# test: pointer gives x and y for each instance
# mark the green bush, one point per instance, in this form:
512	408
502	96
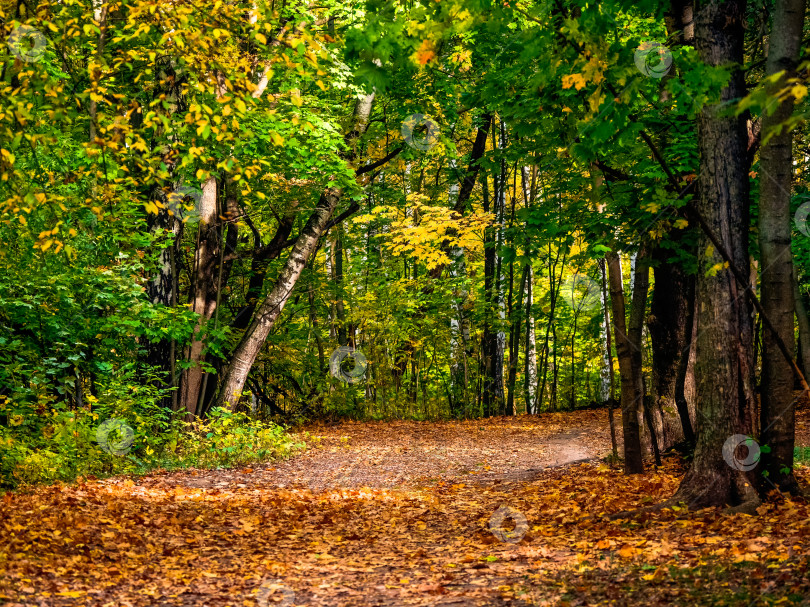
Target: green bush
49	442
228	439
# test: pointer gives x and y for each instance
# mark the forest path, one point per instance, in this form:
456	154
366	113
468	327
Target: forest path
480	513
414	454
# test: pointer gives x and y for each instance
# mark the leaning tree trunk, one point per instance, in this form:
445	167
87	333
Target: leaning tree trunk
776	163
724	368
248	349
632	393
245	354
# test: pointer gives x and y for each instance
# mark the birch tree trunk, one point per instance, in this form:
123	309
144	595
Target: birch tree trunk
256	334
531	346
530	359
245	354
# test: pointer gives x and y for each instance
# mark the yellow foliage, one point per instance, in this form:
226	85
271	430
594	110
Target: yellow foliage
425	232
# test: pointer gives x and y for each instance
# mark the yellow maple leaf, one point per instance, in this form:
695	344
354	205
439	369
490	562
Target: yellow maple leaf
575	80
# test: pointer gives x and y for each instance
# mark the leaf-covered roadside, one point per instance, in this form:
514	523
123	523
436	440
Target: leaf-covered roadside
160	541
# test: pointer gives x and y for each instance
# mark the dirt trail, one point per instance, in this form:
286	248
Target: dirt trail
417	454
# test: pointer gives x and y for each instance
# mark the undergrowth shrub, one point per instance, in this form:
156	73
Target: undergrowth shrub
47	441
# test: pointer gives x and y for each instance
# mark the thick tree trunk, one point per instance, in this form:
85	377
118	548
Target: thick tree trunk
776	164
207	280
724	369
635	333
632	399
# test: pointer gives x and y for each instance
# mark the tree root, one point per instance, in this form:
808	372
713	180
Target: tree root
646	510
747	507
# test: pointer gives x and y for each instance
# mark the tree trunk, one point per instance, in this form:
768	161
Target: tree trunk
685	378
251	344
724	369
776	164
551	331
804	323
609	357
162	290
492	389
516	314
530	358
632	394
635	334
245	354
670	344
500	213
207	280
337	277
530	371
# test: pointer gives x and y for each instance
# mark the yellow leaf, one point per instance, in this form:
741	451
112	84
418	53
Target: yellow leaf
575	80
276	138
627	551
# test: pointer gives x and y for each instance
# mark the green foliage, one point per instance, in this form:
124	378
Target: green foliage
66	445
227	439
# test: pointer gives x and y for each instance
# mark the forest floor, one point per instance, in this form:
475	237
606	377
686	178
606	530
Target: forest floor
404	513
